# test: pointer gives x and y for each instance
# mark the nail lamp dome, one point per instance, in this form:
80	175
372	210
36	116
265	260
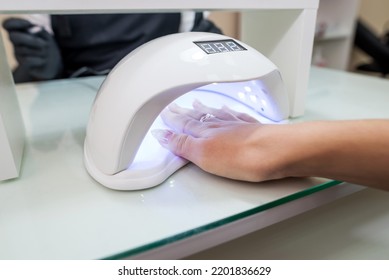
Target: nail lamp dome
206	66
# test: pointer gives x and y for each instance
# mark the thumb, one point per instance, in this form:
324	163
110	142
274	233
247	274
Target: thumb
179	144
13	24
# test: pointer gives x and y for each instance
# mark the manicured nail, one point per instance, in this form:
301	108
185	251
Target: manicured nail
162	135
173	105
197	102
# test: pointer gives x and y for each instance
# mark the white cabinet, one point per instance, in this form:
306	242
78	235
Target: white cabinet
285	36
334	33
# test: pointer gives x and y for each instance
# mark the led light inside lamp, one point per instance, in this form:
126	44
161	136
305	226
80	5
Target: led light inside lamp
119	151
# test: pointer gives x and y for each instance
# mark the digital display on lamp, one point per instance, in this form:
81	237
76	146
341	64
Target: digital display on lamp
219	46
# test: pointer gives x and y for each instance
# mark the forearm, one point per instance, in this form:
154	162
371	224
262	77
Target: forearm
352	151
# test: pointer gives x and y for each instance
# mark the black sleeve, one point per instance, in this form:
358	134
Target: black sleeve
202	24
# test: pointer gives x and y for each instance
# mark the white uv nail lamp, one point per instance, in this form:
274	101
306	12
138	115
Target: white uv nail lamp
119	151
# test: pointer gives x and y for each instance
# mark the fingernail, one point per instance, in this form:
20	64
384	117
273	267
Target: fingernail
35	29
172	105
162	135
197	102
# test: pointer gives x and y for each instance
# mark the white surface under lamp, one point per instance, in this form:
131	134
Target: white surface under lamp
121	154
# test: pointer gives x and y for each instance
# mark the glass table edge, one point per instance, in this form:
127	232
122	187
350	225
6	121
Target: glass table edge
224	221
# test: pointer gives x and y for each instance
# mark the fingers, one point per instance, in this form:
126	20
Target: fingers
183	120
225	113
34	61
186	120
16	24
241	116
222	144
31	50
182	145
195	114
218	113
199	121
25	42
25	39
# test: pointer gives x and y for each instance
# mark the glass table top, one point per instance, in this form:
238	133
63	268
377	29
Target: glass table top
224	221
56	211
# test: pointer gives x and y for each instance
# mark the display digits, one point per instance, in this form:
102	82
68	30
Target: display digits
219	46
233	46
207	48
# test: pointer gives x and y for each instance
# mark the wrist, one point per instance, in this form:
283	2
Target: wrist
300	150
278	152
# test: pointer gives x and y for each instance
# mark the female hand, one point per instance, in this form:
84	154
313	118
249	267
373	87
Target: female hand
234	145
220	141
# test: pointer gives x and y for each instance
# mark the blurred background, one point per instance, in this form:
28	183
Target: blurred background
336	28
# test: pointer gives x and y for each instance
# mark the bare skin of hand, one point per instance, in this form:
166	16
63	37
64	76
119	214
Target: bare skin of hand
236	146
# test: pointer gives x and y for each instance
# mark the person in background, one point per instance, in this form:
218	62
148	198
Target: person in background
62	46
374	46
234	145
